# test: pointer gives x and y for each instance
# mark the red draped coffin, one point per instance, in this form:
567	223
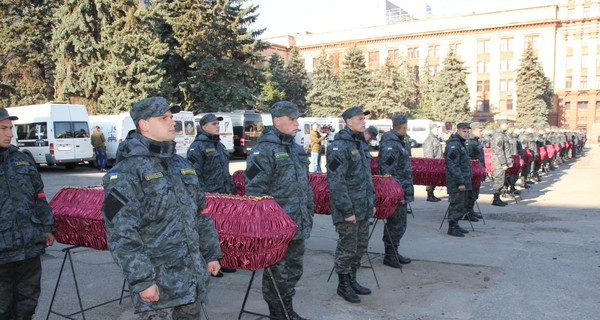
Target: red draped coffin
517	165
542	154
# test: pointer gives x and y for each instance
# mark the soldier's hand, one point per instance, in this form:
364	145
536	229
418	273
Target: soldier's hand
504	168
150	294
214	267
49	239
462	188
351	219
374	210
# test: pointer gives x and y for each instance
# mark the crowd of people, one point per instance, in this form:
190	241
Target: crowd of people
167	249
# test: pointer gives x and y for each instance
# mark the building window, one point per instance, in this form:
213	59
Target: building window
506	45
334	58
483	106
433	51
569	63
571	14
567	105
373	60
597	112
568	83
456	48
511	85
584	62
586	12
583	82
483	86
483	46
433	69
582	113
315	63
394	55
531	41
509	105
585	39
570	41
506	65
483	66
413	53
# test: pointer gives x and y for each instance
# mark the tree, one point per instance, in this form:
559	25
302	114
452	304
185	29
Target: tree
324	98
26	67
450	94
388	99
534	91
296	87
221	52
408	87
424	105
355	80
273	89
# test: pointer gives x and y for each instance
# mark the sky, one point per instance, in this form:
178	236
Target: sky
283	17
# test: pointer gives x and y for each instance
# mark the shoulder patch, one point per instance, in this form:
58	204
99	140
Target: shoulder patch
354	152
21	163
152	176
334	164
113	203
335	149
210	150
187	171
113	175
256	152
281	155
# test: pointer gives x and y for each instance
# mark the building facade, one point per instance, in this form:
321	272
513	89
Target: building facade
565	38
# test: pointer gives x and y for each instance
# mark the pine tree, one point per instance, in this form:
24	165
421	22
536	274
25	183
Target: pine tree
450	94
388	99
26	67
273	89
221	52
424	105
534	91
355	80
297	84
324	98
408	87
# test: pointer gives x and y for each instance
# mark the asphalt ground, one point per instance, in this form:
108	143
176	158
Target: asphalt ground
535	259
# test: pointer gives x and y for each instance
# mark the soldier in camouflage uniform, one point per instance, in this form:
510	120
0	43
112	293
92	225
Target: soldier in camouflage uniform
123	145
278	167
458	178
501	161
528	142
156	231
26	226
432	148
394	159
352	200
475	151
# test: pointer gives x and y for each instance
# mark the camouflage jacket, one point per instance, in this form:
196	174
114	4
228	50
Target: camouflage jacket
475	149
349	177
123	147
528	142
278	167
432	148
501	152
458	164
25	216
211	161
516	145
394	159
155	230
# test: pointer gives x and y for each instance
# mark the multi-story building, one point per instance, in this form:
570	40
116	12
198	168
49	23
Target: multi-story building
565	38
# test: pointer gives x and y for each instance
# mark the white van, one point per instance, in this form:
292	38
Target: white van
304	127
225	130
14	141
185	131
54	133
115	128
418	130
267	121
382	125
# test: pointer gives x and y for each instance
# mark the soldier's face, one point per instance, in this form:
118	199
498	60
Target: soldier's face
402	129
286	125
357	123
211	127
160	128
477	132
463	133
6	133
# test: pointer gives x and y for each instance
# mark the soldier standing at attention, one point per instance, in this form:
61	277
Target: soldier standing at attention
155	228
278	167
432	148
475	150
352	200
394	159
26	225
501	161
458	178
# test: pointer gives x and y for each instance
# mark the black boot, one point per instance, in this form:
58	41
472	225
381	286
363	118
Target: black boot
471	217
475	214
431	197
276	311
461	229
497	201
289	307
344	290
356	286
391	258
453	230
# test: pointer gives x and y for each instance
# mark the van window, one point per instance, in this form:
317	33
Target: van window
189	128
306	128
81	129
178	127
62	130
31	131
419	129
253	128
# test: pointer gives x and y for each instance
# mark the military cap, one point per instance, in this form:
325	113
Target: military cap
372	131
151	107
398	120
476	125
285	108
209	118
463	125
4	115
353	111
433	126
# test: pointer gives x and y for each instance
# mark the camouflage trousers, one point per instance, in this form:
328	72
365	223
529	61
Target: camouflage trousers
286	272
458	205
190	311
472	196
430	188
498	177
352	245
395	228
19	288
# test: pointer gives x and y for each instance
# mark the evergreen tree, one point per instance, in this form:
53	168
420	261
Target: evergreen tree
297	84
450	94
408	87
355	80
424	105
388	99
273	89
534	91
26	68
324	98
221	52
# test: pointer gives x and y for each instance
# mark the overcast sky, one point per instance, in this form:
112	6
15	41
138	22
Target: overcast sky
282	17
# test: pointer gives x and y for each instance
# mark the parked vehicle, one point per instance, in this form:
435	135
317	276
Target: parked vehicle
115	128
247	127
225	130
14	141
382	125
185	131
54	133
418	130
267	121
336	124
304	127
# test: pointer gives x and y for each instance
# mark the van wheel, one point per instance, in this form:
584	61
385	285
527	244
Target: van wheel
70	166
